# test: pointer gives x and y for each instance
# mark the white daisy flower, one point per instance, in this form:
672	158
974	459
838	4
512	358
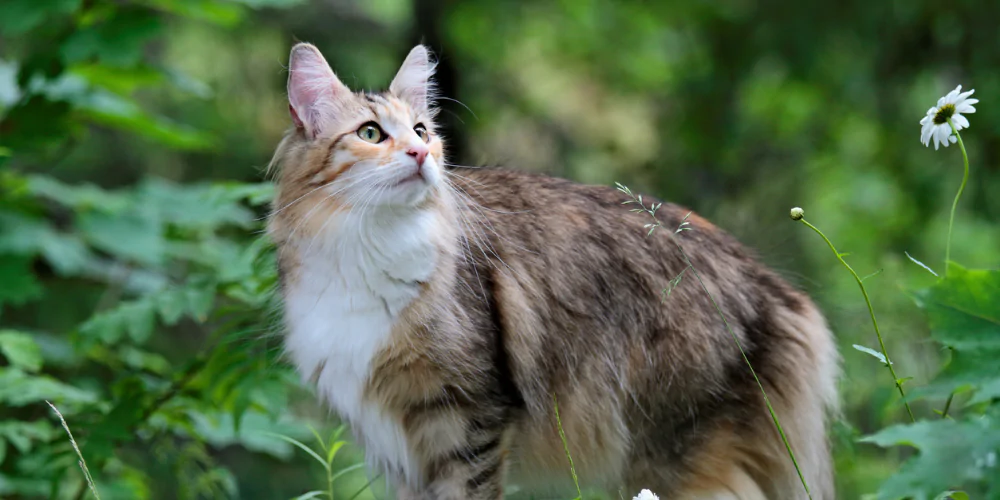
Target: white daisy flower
935	124
646	495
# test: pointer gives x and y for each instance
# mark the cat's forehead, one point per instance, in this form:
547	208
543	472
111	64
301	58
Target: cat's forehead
385	106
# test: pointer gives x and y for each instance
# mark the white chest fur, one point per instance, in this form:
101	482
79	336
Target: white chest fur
351	284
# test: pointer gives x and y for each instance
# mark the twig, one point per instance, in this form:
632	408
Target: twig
798	215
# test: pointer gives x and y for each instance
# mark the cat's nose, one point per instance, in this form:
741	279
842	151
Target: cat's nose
418	153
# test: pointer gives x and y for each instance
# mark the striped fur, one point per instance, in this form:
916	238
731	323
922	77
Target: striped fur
442	312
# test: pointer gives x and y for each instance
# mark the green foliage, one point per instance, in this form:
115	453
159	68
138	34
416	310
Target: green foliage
325	456
950	454
142	313
964	315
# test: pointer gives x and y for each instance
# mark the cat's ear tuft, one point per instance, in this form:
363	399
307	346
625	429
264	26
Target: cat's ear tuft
314	92
413	82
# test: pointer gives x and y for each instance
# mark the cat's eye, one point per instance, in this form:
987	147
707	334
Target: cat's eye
421	131
371	132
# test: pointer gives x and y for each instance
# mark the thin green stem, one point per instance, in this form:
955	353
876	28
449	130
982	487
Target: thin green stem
871	311
365	487
767	401
954	204
947	405
329	481
562	435
684	227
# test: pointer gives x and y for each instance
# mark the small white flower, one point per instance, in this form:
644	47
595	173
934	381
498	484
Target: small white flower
646	495
935	124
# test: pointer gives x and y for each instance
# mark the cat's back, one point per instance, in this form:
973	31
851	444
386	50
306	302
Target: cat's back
592	305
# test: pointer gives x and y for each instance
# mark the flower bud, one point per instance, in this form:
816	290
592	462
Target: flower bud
797	213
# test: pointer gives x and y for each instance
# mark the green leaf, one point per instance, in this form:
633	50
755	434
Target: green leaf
222	13
112	110
194	207
346	470
17	282
950	453
334	448
879	356
128	235
964	315
119	80
258	434
18	388
119	425
964	308
143	360
310	495
23	435
81	197
257	4
952	495
20	16
28	236
117	40
136	318
38	123
302	447
20	350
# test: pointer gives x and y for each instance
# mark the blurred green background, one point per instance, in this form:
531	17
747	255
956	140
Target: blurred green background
129	127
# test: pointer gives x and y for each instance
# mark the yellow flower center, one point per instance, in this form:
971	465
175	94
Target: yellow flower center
946	111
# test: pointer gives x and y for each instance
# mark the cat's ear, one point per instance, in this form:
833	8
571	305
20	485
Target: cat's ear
413	82
314	92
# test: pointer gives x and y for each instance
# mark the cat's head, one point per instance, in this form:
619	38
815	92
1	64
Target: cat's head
355	151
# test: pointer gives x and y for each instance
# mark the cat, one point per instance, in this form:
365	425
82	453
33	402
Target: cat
446	313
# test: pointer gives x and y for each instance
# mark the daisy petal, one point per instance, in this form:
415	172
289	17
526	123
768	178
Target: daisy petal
941	135
960	121
966	107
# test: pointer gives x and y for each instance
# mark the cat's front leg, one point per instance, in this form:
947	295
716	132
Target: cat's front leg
475	473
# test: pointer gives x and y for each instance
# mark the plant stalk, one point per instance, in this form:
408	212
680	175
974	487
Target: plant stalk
947	405
562	435
954	204
767	401
871	311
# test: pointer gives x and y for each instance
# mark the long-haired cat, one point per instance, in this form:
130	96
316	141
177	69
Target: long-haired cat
444	313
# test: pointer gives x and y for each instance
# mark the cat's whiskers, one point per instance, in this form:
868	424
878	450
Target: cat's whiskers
365	226
442	98
474	181
484	223
469	257
296	200
340	244
477	233
351	207
350	183
470	201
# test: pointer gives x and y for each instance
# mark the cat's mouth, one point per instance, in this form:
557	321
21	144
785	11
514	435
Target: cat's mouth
415	175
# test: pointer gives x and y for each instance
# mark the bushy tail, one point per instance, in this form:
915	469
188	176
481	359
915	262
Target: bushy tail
805	403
